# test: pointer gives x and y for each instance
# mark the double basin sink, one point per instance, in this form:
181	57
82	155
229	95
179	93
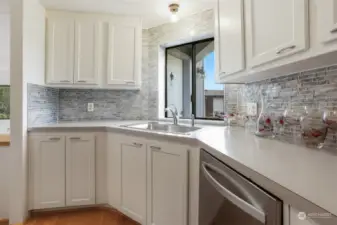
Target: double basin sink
163	127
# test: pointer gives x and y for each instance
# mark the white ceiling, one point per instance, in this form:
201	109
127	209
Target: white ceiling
153	12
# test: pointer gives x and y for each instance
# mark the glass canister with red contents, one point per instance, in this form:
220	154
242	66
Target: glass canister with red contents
264	124
313	128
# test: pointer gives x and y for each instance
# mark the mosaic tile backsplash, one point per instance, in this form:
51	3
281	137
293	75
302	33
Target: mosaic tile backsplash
43	105
315	88
109	104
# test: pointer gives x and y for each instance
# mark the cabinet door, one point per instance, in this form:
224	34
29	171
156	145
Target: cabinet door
47	172
327	20
133	180
167	184
275	29
80	170
229	37
60	50
124	55
86	51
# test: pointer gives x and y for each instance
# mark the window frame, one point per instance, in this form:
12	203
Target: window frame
193	94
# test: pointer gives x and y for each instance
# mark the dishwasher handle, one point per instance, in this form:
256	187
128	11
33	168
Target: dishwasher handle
243	205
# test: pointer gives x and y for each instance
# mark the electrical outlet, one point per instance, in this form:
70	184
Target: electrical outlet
91	107
251	109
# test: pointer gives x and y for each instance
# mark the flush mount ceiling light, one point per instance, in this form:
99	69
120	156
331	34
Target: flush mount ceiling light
174	8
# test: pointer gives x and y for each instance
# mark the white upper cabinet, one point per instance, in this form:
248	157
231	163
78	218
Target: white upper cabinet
47	172
327	20
167	184
275	29
124	55
86	51
229	37
93	50
80	172
60	50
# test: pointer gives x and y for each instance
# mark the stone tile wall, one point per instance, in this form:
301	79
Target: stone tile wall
314	88
109	104
43	105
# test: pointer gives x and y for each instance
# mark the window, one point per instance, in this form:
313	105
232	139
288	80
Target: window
190	81
4	102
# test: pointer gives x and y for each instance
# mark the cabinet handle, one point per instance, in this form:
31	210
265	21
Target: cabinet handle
81	81
75	138
138	145
130	82
54	139
333	30
64	81
286	48
155	148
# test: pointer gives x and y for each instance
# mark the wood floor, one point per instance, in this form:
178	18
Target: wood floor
82	217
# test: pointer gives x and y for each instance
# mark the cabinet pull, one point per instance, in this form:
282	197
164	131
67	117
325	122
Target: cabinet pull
130	82
155	148
75	138
138	145
54	139
81	81
64	81
333	30
286	48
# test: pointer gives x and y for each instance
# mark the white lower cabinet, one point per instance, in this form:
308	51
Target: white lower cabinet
167	184
80	170
61	170
148	180
47	172
133	182
127	176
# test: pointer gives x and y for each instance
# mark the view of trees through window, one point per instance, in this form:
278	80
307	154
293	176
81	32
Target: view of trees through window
190	81
4	102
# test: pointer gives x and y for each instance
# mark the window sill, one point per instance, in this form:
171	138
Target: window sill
197	121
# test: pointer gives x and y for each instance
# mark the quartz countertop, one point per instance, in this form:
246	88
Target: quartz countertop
291	172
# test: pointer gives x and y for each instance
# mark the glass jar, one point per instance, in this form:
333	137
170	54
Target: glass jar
264	124
313	129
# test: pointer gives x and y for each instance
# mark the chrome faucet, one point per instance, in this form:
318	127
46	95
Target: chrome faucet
192	120
174	112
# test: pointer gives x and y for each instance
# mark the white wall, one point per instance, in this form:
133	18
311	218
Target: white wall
4	181
4	124
4	43
27	65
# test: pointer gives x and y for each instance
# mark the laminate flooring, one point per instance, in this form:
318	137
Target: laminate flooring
99	216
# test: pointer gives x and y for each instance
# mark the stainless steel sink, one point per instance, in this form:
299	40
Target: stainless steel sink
163	127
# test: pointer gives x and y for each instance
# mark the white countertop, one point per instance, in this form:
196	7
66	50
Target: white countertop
311	174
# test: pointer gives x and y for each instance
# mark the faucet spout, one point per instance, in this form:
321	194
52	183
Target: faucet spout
174	113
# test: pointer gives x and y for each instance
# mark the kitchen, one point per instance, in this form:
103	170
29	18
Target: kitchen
90	84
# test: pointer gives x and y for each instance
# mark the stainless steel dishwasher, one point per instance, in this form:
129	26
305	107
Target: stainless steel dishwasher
228	198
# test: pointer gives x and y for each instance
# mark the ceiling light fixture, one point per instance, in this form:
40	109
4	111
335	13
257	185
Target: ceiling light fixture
174	8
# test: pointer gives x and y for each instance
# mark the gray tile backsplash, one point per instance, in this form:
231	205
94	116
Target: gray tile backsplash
314	88
109	104
43	105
